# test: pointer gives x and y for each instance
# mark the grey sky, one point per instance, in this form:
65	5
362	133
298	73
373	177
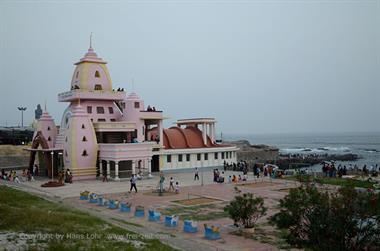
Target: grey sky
257	66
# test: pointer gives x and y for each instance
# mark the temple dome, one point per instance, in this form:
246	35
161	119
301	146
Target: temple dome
91	74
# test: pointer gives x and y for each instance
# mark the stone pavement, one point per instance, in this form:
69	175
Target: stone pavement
270	190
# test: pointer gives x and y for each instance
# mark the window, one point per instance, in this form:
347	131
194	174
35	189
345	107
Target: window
100	110
101	120
206	156
179	157
97	74
113	120
215	155
168	158
84	153
66	139
48	128
84	138
137	104
98	88
83	126
89	109
76	76
187	157
66	153
222	155
198	156
110	110
49	139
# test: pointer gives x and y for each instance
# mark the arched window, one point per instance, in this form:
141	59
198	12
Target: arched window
83	126
48	128
66	153
76	76
97	74
84	138
66	139
98	88
49	139
84	153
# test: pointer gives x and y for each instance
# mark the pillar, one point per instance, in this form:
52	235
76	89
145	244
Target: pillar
204	133
100	168
149	168
133	167
213	132
161	132
108	169
117	170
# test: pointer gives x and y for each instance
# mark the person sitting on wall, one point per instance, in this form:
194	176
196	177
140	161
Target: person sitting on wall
68	176
149	109
153	109
3	174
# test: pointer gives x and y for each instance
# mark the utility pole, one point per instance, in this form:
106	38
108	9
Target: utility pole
22	109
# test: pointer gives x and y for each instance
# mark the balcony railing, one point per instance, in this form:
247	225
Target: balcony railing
84	94
126	151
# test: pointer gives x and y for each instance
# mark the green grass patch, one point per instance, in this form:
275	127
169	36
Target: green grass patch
23	213
198	213
333	181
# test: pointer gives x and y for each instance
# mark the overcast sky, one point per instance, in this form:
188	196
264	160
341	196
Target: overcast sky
256	66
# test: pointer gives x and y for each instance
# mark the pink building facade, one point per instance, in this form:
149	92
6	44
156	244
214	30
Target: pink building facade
105	132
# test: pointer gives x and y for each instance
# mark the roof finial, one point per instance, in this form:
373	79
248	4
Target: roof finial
91	40
45	105
133	84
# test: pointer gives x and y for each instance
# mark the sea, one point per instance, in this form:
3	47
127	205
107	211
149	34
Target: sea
365	145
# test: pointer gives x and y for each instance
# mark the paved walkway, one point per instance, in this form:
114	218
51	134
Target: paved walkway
270	190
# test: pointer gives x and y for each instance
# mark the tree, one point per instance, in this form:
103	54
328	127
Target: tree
246	209
342	220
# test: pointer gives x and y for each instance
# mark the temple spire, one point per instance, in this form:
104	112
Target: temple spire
91	40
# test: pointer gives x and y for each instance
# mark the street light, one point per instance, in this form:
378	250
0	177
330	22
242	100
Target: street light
52	166
22	109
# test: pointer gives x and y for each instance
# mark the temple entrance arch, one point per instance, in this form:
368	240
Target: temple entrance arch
39	140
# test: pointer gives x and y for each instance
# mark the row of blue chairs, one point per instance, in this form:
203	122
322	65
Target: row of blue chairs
189	226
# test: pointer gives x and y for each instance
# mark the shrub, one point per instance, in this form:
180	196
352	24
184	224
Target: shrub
344	220
246	209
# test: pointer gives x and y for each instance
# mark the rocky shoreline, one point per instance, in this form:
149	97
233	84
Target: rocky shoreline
271	154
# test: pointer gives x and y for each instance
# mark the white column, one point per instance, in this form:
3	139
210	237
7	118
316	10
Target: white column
213	132
108	169
117	170
100	168
204	133
150	168
133	167
161	132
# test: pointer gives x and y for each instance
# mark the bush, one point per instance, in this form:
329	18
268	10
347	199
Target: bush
246	209
344	220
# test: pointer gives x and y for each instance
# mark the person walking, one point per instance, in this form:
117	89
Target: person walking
196	175
171	184
133	183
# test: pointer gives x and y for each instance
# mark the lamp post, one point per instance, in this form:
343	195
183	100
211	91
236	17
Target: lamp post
22	109
52	166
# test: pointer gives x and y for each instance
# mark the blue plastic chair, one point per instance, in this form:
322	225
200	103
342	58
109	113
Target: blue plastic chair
210	234
154	216
113	204
171	221
93	198
139	213
125	207
190	226
83	197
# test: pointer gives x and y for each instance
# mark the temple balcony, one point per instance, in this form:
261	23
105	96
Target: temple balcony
114	126
156	115
126	151
93	95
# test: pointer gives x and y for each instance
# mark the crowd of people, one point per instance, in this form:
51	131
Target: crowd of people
26	175
330	170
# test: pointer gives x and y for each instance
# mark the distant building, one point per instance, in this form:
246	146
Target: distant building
103	131
15	135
